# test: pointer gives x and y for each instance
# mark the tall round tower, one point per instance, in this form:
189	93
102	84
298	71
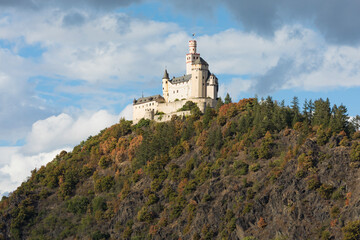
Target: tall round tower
165	85
191	56
192	46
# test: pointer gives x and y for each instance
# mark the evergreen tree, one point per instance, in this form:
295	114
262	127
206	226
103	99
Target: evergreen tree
339	119
322	112
227	99
295	110
219	104
356	122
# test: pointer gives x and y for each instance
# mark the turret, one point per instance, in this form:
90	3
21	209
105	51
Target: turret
192	56
165	86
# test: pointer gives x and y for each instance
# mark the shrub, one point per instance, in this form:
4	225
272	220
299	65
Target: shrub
355	152
104	184
152	199
325	191
144	215
104	162
97	235
352	230
254	167
77	205
98	203
241	167
313	183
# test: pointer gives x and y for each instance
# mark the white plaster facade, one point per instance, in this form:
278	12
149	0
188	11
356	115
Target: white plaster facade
197	85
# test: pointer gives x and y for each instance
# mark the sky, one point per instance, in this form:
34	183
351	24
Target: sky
69	69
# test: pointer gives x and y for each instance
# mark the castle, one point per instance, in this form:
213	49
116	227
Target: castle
198	85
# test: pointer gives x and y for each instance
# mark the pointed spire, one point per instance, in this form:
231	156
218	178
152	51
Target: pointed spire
166	75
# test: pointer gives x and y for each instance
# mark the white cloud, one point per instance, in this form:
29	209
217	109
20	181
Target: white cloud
48	138
64	130
127	113
19	166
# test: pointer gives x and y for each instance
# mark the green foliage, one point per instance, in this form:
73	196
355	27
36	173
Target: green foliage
105	162
97	235
254	167
188	106
104	184
355	152
142	123
325	191
241	168
98	204
77	204
228	99
313	183
144	215
351	230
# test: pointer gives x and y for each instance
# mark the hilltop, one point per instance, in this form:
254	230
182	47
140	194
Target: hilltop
247	170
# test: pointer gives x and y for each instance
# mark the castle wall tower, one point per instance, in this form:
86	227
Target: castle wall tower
199	72
191	56
165	86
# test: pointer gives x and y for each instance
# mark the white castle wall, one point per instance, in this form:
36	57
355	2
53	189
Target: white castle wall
143	109
178	91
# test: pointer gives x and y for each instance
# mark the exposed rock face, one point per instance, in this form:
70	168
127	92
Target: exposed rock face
164	181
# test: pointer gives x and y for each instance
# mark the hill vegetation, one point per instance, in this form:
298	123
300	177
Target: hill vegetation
255	169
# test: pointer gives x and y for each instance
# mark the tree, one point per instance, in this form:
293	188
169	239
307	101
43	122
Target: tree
356	122
228	99
295	110
339	119
321	112
219	104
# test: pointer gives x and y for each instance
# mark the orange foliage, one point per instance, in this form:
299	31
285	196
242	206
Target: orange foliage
108	145
333	223
229	110
202	139
153	229
134	144
348	197
261	223
182	185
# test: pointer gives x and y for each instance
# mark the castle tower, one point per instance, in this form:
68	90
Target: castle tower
165	86
191	56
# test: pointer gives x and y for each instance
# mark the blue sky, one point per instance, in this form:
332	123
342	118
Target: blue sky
69	69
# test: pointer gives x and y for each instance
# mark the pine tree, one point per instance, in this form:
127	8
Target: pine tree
228	99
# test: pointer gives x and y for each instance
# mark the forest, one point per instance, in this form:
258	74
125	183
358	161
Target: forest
253	169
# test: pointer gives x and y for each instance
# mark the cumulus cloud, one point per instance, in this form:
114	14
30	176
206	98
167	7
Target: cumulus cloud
296	57
48	138
103	52
18	166
336	20
64	130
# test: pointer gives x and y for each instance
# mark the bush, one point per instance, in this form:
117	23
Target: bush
104	162
104	184
325	191
98	203
254	167
100	236
77	205
241	168
144	215
352	230
355	152
313	183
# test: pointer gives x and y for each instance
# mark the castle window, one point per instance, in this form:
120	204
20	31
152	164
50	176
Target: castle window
177	91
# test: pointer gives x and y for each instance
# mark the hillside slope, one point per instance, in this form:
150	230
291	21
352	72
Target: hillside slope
249	170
